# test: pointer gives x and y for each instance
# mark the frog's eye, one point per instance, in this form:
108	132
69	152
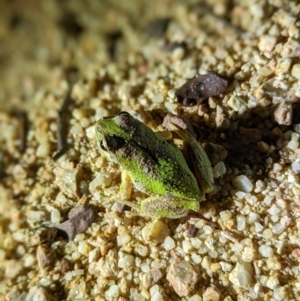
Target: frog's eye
101	144
125	121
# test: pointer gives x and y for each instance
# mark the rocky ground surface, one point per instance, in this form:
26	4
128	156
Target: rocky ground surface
66	64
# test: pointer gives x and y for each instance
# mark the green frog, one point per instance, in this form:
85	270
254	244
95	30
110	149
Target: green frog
156	166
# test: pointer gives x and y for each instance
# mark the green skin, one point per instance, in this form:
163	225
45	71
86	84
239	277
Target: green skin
155	166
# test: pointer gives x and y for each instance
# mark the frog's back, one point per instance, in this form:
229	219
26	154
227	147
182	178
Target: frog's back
157	166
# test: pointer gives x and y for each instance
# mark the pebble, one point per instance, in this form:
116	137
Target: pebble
169	243
44	256
296	167
182	277
272	282
291	49
219	170
243	183
265	251
126	261
157	293
151	277
249	253
241	222
296	71
283	113
112	293
13	268
241	275
211	294
155	231
38	294
267	43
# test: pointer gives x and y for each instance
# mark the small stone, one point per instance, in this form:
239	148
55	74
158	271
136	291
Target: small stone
80	218
241	275
219	170
151	277
45	256
241	222
243	183
249	253
291	49
296	71
277	228
13	268
283	113
272	282
38	294
67	177
141	250
265	251
126	261
251	135
155	231
211	294
157	293
112	293
182	277
236	103
267	43
169	243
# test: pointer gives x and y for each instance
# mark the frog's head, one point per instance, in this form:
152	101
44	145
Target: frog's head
113	133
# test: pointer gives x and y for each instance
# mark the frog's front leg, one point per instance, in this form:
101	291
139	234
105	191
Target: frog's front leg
126	186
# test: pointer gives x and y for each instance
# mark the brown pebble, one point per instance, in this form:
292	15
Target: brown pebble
45	256
151	277
200	88
182	277
80	218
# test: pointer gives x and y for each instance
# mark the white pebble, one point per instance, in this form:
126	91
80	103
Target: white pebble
126	261
123	239
43	150
219	170
99	180
225	215
274	210
265	251
158	98
293	144
55	216
267	234
296	167
272	282
112	292
196	258
156	293
240	194
187	246
243	183
252	217
258	227
241	275
241	222
169	243
277	228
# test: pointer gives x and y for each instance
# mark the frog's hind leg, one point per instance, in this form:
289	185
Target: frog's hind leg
158	206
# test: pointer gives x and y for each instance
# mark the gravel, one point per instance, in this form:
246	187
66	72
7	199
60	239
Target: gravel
250	132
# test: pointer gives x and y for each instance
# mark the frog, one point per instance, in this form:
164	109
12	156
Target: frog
155	166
